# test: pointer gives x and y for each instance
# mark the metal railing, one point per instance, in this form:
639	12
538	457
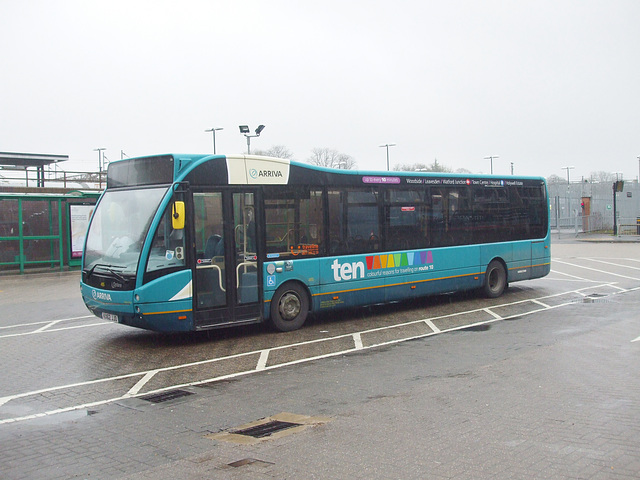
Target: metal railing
12	177
596	224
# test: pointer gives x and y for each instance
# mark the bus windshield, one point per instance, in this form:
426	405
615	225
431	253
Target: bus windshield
118	230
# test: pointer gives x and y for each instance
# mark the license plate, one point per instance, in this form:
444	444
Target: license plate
110	316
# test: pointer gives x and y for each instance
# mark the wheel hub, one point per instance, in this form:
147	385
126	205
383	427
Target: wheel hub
289	306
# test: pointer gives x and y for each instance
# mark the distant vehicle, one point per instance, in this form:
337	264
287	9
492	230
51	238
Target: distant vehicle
191	242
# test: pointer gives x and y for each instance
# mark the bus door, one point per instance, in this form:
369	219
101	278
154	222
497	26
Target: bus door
227	280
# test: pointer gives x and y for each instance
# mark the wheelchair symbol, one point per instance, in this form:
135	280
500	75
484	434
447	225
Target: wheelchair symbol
271	281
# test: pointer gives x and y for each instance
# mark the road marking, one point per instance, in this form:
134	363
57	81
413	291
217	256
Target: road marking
263	355
611	263
46	321
541	303
432	325
141	383
262	361
582	279
50	324
54	330
492	313
596	270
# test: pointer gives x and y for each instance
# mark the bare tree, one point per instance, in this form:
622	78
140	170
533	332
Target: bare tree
555	179
602	176
278	151
329	157
421	167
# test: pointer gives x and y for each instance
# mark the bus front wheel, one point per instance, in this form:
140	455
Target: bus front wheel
289	307
495	280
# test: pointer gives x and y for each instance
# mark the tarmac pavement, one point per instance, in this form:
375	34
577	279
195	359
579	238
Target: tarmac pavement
554	394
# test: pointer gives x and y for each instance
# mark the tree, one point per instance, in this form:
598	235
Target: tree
421	167
331	158
278	151
602	176
554	179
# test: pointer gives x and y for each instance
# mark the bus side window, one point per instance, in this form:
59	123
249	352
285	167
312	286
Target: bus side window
294	222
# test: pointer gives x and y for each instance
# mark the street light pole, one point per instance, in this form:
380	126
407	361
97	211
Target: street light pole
567	169
491	157
213	131
387	145
99	150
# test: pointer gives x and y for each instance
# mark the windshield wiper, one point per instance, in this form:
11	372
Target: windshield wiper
117	275
109	268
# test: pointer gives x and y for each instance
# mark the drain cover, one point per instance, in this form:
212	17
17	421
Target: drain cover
275	426
266	429
166	396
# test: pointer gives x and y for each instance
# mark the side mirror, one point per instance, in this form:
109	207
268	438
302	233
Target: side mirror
177	215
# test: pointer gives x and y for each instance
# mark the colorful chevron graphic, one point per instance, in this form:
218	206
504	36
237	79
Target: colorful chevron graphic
406	259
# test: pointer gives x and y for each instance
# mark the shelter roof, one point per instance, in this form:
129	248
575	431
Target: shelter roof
26	160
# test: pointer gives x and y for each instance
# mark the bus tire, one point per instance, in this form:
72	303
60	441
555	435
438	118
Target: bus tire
289	307
495	279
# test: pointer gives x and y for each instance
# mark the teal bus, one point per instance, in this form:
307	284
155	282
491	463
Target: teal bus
192	242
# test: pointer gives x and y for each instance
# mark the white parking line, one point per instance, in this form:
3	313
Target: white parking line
42	330
20	325
596	270
612	263
263	356
582	279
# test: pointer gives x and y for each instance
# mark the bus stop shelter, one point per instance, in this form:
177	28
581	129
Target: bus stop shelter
24	161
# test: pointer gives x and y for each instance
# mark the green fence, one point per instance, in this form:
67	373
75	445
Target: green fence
43	230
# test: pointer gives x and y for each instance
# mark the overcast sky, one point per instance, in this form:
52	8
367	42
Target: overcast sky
542	84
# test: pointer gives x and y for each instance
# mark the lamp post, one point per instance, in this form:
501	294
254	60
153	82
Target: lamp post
638	157
244	130
387	145
99	150
213	130
567	169
491	157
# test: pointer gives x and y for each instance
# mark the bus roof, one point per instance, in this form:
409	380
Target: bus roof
202	169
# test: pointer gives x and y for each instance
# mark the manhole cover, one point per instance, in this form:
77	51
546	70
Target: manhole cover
266	429
166	396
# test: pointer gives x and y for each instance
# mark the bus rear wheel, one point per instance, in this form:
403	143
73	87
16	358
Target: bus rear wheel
495	279
289	307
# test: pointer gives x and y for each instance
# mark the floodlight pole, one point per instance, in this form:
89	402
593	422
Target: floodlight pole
213	131
387	145
244	130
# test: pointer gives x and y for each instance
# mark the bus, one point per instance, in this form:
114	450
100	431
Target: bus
192	242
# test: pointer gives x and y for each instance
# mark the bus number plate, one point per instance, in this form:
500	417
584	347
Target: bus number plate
110	316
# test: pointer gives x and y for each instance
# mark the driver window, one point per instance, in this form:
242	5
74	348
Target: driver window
167	251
